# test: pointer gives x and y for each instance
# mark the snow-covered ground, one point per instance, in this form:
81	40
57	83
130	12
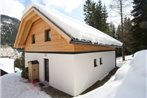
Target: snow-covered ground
128	82
127	60
11	86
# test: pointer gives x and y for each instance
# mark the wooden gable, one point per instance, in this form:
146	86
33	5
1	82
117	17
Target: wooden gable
34	23
26	24
57	42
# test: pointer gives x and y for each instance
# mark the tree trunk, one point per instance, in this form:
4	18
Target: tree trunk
122	30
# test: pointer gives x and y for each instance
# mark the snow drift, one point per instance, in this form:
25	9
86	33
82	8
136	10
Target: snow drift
128	82
11	86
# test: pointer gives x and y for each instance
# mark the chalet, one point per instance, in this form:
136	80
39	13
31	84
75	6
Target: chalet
71	55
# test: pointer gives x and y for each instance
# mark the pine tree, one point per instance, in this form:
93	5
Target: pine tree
128	38
89	8
127	35
120	5
104	20
139	29
118	32
96	15
112	31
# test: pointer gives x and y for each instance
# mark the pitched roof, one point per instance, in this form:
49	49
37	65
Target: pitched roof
76	30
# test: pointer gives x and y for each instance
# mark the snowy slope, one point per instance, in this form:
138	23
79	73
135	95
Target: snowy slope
128	82
76	30
11	86
127	60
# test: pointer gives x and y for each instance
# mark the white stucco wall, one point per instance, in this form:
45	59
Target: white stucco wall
73	73
85	72
60	69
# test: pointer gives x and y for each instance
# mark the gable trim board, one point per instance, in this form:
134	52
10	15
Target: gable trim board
71	59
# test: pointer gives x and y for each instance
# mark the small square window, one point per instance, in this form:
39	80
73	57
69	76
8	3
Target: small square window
33	38
47	35
95	63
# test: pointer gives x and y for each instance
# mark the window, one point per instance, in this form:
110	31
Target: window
95	63
47	35
101	61
33	38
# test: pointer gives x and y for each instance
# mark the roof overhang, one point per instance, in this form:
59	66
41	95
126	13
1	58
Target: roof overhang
26	23
73	41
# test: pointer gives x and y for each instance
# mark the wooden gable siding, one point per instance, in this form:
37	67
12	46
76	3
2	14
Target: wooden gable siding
57	43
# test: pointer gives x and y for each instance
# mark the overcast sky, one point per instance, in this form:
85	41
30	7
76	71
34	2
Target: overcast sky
73	8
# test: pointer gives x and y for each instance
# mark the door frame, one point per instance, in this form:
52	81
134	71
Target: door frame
46	69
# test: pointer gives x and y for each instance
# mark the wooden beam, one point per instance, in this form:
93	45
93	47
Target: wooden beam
19	33
28	27
26	31
28	14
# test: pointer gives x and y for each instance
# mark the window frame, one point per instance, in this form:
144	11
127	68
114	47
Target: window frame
95	63
47	35
100	61
33	39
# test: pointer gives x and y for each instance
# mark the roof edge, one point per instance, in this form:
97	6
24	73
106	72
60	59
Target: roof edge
90	43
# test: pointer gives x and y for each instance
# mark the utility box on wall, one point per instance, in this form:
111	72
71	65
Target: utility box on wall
33	70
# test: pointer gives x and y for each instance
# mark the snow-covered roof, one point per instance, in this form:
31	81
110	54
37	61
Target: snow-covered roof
7	65
76	30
